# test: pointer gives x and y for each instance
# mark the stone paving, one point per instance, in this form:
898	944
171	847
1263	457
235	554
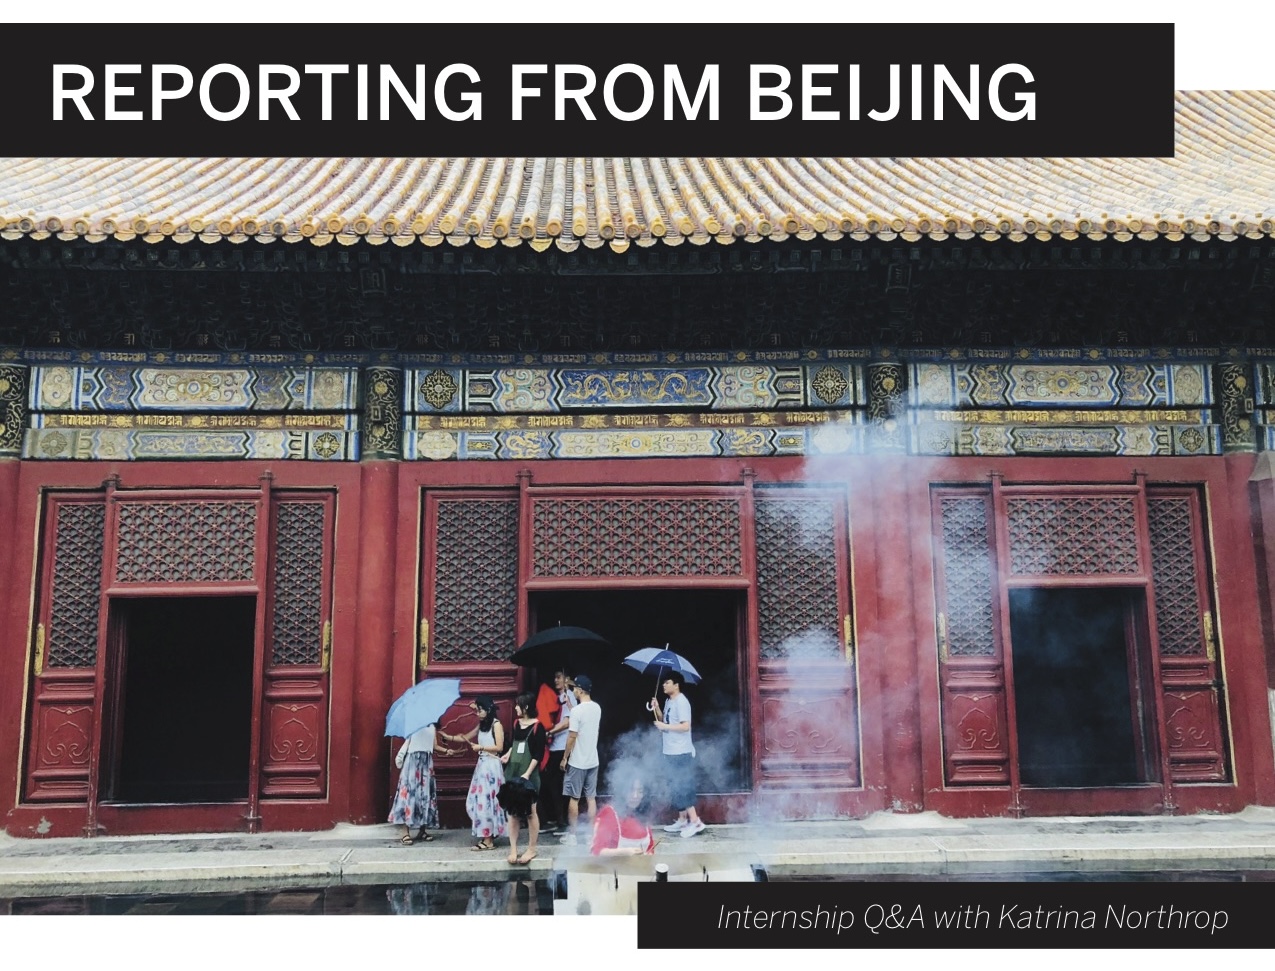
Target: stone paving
922	843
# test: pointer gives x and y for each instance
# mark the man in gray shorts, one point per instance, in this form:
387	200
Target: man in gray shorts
580	760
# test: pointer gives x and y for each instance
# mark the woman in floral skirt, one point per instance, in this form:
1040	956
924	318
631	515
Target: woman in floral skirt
487	738
416	798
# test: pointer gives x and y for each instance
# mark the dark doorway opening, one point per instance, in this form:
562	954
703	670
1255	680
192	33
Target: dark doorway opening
1078	688
183	719
701	625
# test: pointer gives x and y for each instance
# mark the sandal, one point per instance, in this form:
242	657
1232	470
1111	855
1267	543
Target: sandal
526	857
483	845
407	840
424	837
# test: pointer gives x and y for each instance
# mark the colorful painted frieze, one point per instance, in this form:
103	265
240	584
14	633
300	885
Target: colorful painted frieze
125	388
955	438
1053	385
660	439
541	390
139	444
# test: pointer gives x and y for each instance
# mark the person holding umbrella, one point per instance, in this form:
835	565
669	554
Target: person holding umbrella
416	798
674	722
487	739
414	718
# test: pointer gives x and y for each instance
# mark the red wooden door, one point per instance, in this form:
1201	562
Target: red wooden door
1188	643
111	563
1148	543
807	706
469	616
295	704
163	546
976	731
68	638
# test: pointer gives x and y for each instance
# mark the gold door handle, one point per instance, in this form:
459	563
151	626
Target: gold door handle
942	635
39	649
1210	636
847	633
325	660
422	644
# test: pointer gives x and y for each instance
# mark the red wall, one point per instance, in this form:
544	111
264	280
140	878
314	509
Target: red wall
376	591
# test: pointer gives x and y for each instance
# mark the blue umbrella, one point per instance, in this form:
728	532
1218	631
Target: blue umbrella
422	704
659	660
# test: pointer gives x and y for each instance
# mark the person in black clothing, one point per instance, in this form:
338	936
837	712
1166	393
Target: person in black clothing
522	777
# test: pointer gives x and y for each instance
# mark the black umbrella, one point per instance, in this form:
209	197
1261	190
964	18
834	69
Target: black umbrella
557	644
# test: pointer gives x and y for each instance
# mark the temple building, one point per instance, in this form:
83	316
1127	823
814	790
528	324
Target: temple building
953	477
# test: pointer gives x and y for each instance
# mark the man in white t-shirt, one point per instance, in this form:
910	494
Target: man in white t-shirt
580	758
679	756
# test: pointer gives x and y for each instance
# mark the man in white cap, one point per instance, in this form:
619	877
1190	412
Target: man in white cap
580	760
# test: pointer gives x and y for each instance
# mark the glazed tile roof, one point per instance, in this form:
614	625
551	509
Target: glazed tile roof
1221	182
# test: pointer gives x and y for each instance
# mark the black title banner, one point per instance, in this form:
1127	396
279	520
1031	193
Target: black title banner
954	915
959	90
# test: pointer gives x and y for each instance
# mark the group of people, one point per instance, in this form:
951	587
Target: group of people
549	764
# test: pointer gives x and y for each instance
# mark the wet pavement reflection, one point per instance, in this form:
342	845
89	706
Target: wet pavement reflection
517	897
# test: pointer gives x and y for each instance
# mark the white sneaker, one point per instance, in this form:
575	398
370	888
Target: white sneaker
693	828
568	840
676	826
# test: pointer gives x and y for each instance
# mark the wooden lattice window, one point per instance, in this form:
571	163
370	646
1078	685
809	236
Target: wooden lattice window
475	578
1073	535
1175	572
76	592
637	536
967	576
798	603
192	541
297	624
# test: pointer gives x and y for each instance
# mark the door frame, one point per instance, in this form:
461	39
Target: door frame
1224	505
113	711
1143	679
105	816
55	802
744	649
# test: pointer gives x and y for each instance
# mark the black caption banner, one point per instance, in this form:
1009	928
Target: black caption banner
955	90
954	915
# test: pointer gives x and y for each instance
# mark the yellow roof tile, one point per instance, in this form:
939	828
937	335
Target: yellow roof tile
1220	182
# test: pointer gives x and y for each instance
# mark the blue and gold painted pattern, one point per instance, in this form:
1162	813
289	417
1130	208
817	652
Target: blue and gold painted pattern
952	438
1070	385
1264	386
137	444
123	412
186	422
121	388
519	407
636	388
642	441
545	390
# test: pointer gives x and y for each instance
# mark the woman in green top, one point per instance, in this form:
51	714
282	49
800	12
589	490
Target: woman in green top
522	777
